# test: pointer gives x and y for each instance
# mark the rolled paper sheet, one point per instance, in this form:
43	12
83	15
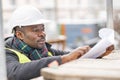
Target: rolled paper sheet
98	49
107	39
107	33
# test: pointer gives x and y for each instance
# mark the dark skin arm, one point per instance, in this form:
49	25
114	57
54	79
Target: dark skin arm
75	54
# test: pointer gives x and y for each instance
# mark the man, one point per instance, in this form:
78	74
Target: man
27	52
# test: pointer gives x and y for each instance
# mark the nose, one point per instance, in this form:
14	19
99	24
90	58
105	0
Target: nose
42	33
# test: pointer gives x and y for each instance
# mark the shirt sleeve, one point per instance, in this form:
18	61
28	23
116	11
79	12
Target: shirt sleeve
26	71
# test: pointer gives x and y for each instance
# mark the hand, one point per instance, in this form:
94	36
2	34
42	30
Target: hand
108	51
75	54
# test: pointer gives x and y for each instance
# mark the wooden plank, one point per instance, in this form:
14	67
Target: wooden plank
88	69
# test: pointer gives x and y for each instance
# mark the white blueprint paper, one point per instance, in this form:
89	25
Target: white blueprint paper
107	39
98	49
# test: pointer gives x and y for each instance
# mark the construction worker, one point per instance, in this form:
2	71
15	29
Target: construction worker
27	52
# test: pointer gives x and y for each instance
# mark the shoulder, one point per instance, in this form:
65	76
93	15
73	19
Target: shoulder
8	41
11	55
48	45
7	38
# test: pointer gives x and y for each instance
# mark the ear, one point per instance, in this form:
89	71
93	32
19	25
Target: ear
19	35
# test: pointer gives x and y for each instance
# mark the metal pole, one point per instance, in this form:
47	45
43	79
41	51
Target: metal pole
110	14
2	52
110	20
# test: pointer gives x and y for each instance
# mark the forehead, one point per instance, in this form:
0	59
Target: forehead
34	26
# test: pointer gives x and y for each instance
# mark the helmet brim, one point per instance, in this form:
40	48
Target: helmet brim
41	21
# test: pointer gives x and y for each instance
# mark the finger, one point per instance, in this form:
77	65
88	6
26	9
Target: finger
85	49
88	48
110	48
82	51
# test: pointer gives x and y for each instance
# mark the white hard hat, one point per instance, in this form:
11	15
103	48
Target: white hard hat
26	15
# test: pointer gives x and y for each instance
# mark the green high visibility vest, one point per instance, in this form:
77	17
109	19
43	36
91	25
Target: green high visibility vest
22	58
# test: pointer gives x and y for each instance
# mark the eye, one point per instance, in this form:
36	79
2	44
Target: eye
42	29
36	30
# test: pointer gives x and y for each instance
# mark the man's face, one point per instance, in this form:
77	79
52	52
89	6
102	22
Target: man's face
34	35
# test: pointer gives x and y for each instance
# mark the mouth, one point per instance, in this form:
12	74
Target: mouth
41	41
